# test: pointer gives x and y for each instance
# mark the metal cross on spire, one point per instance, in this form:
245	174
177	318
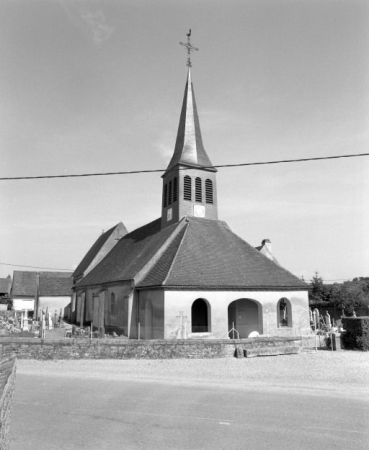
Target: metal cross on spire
190	48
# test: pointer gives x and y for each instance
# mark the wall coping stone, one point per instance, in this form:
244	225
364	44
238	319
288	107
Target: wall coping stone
123	342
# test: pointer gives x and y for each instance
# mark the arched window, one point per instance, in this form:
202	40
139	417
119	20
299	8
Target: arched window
170	193
198	190
112	304
165	196
187	188
209	191
175	189
200	315
284	313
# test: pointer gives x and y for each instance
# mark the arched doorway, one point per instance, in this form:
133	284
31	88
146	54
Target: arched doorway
148	320
246	315
200	315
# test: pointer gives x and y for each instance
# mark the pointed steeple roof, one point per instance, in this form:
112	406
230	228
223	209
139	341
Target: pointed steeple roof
189	149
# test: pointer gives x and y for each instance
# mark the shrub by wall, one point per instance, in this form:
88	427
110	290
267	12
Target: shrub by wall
357	332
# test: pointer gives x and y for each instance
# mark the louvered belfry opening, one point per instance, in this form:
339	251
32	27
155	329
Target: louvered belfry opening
170	193
209	191
165	196
175	189
187	187
198	190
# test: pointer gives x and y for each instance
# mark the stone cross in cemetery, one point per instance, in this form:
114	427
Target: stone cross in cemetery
182	326
25	321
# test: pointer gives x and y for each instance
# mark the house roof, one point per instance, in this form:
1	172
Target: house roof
55	286
95	249
210	255
25	282
130	255
4	285
189	148
201	253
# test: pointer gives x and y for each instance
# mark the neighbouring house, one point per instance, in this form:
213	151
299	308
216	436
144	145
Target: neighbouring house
33	291
5	284
186	274
55	292
24	290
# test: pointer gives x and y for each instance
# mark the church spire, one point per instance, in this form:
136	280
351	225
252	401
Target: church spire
189	184
189	148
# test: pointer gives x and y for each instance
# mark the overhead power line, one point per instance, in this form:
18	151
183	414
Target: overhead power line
33	267
131	172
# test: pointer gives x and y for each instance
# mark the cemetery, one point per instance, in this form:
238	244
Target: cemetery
52	338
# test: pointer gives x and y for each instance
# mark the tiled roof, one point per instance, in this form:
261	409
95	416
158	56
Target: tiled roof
130	254
24	283
189	148
212	256
204	254
51	286
94	250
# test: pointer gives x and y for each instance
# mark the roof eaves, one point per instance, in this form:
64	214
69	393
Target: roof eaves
104	284
226	288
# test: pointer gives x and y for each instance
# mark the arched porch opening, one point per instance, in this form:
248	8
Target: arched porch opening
200	316
245	315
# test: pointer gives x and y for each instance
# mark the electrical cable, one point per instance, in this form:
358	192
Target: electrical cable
33	267
131	172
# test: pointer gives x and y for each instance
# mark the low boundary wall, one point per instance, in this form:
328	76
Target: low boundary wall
41	349
7	386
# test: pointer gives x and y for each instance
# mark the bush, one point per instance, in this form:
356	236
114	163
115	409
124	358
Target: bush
357	332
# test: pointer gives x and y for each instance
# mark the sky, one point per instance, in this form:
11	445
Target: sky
97	86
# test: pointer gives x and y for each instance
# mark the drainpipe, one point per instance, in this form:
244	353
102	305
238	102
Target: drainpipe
35	312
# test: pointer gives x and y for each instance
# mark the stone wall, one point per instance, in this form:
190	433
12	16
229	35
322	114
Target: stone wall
32	348
7	385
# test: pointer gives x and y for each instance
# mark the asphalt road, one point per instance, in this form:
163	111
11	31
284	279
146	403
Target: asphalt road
64	412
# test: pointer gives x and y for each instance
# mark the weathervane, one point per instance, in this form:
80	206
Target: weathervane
190	48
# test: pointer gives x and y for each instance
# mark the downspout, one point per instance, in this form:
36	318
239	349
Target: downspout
138	316
37	296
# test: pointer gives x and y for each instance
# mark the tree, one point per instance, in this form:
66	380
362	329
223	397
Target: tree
318	291
351	295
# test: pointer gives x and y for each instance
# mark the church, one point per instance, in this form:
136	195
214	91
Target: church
186	274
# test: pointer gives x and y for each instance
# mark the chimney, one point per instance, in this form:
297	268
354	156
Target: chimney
267	244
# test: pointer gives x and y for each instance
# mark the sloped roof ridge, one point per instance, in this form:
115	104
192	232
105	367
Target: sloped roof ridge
93	251
148	230
178	250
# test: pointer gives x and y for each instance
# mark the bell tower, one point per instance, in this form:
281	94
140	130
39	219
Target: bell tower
189	184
